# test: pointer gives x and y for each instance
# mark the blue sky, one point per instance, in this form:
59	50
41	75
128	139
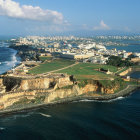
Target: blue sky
41	17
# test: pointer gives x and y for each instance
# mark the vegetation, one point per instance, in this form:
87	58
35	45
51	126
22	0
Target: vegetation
82	83
50	66
88	71
132	83
110	84
22	101
57	98
38	99
118	62
44	58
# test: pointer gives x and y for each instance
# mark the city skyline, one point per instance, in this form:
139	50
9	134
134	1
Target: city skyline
86	17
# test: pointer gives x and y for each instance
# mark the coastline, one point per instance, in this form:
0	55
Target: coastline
15	62
123	93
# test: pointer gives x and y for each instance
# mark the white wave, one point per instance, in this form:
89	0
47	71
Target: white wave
86	100
45	115
14	117
116	99
111	100
2	128
13	61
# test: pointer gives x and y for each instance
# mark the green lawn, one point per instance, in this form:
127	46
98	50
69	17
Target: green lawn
50	66
44	58
88	71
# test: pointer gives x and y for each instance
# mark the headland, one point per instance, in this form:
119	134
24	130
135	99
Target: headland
45	80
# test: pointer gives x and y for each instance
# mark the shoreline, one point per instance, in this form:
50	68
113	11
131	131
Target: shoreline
18	61
123	93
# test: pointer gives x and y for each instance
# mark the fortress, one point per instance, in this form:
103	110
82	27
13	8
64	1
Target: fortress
13	88
45	89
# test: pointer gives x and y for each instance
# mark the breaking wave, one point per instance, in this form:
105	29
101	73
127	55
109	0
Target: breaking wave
14	117
112	100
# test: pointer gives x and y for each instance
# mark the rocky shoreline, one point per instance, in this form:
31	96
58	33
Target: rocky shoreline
123	93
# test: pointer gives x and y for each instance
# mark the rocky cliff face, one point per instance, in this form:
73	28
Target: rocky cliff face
2	87
52	88
25	84
63	93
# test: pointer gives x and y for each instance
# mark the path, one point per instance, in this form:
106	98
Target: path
61	68
120	70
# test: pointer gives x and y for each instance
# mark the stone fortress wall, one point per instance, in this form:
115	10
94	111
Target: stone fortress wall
18	87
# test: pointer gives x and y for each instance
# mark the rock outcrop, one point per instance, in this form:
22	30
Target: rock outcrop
25	84
51	88
2	87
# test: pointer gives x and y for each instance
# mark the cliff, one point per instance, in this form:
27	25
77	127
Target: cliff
13	83
2	87
47	89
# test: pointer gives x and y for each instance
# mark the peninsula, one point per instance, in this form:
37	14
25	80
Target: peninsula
48	75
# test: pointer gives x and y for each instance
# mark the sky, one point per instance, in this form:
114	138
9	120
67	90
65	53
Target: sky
54	17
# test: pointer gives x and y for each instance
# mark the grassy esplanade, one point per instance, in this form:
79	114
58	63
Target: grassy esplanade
51	65
89	71
80	70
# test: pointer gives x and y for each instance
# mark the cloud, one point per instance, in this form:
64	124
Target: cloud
13	9
102	26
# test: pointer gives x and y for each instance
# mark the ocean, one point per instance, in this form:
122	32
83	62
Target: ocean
8	57
84	120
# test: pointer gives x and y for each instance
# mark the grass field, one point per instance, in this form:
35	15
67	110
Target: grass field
88	71
50	66
44	58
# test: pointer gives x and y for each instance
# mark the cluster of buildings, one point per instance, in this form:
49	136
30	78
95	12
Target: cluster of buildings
81	49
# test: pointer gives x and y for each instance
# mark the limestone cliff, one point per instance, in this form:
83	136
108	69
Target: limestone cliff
24	83
2	87
63	93
49	88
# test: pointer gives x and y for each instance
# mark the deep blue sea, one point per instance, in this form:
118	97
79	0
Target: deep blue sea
85	120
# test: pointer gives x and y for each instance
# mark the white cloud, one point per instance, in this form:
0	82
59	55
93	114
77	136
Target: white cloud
102	26
13	9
